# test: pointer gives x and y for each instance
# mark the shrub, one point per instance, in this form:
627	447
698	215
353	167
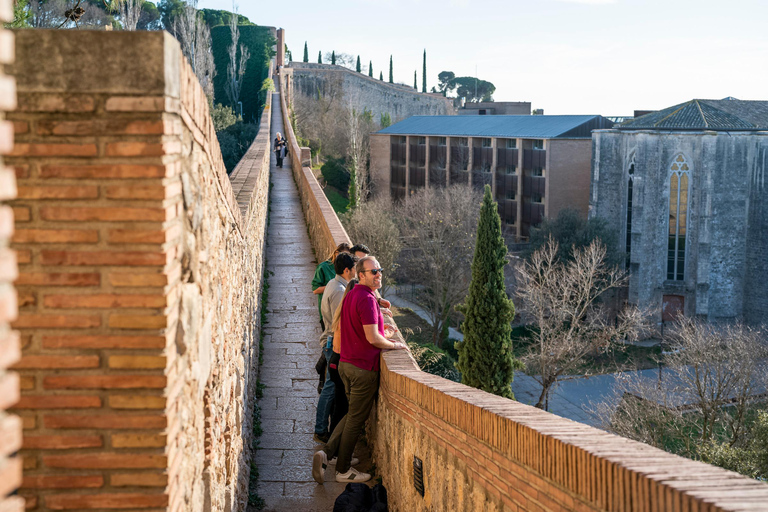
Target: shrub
223	117
435	361
335	174
234	142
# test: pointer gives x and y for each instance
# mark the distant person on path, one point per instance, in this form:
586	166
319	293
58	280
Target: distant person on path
362	339
344	264
278	149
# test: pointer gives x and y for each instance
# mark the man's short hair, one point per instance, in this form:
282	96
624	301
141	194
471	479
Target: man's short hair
361	263
360	248
343	262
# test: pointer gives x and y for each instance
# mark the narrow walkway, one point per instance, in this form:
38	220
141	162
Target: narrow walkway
291	349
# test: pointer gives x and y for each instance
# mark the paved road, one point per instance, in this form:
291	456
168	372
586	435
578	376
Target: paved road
291	348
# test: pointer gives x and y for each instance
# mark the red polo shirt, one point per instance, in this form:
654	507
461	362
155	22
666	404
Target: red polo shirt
360	308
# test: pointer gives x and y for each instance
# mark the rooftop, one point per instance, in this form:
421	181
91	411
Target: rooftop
530	127
728	114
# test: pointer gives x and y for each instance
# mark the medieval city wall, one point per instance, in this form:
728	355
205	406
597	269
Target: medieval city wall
140	278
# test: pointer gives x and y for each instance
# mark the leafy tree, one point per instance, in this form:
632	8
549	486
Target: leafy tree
21	15
474	89
335	173
223	117
486	360
333	57
319	57
216	18
150	17
571	232
306	53
370	68
385	119
170	10
391	80
381	76
358	68
445	81
424	73
415	83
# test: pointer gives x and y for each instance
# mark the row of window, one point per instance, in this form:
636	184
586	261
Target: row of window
464	142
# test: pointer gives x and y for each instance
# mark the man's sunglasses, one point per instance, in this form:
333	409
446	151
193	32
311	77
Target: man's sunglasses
374	271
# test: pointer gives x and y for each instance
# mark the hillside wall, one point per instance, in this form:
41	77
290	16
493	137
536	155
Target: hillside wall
363	92
140	278
10	351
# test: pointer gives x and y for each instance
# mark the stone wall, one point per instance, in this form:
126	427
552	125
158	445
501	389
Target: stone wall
482	452
10	425
363	92
140	275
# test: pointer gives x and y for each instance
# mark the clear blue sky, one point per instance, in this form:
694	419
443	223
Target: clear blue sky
604	57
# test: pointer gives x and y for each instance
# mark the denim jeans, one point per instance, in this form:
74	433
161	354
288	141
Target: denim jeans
325	402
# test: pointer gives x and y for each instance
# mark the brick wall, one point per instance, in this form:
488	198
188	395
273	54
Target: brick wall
483	452
140	273
10	425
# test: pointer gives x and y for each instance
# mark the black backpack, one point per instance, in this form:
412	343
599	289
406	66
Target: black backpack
361	498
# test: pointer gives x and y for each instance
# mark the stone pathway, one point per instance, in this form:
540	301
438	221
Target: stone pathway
291	349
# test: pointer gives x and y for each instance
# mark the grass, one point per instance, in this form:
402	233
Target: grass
338	201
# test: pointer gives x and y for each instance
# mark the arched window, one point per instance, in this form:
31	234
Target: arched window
679	174
630	182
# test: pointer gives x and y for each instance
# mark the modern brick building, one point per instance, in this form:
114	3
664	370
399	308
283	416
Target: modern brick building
685	187
536	165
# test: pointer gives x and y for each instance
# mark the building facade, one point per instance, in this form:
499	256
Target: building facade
685	187
535	165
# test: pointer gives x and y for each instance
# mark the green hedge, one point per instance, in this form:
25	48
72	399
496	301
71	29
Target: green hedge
335	174
259	41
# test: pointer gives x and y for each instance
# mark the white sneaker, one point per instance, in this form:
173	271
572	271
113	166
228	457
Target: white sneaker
319	463
354	462
352	476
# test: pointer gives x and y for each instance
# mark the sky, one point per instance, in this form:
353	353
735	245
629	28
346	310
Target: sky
607	57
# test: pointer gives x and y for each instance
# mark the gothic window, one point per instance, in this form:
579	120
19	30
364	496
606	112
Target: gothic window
630	183
679	176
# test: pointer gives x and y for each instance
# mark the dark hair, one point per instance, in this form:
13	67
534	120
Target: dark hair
360	248
342	247
344	261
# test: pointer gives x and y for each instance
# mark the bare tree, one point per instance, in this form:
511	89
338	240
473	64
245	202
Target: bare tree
562	300
439	227
194	36
46	14
713	376
236	69
373	224
130	12
342	59
358	128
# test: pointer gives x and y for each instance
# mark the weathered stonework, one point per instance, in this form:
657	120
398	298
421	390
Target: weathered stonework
141	265
361	92
10	350
726	275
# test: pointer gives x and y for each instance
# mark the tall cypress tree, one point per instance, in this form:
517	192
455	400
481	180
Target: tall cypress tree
424	73
306	52
333	57
319	57
381	76
358	68
390	70
370	68
486	360
415	83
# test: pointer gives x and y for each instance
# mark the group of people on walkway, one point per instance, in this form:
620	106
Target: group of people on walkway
352	318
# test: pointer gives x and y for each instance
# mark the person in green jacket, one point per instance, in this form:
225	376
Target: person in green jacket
324	272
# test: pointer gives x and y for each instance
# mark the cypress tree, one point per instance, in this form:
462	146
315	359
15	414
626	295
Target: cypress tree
306	52
424	73
333	57
390	70
319	57
486	360
381	76
415	83
358	68
370	68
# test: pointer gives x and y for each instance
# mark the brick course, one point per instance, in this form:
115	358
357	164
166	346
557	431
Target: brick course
140	272
10	352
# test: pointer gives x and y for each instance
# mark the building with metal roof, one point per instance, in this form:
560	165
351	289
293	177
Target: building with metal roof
535	165
685	187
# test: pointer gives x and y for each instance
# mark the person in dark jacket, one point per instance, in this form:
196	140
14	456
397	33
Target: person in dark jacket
280	144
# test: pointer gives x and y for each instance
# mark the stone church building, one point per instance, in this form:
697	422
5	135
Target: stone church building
685	187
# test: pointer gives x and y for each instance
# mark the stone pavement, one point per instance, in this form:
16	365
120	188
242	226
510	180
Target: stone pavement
291	349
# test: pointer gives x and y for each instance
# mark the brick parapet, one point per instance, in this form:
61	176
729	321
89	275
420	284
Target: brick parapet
139	283
10	350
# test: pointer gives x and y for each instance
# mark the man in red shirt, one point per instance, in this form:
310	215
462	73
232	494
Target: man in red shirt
362	339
